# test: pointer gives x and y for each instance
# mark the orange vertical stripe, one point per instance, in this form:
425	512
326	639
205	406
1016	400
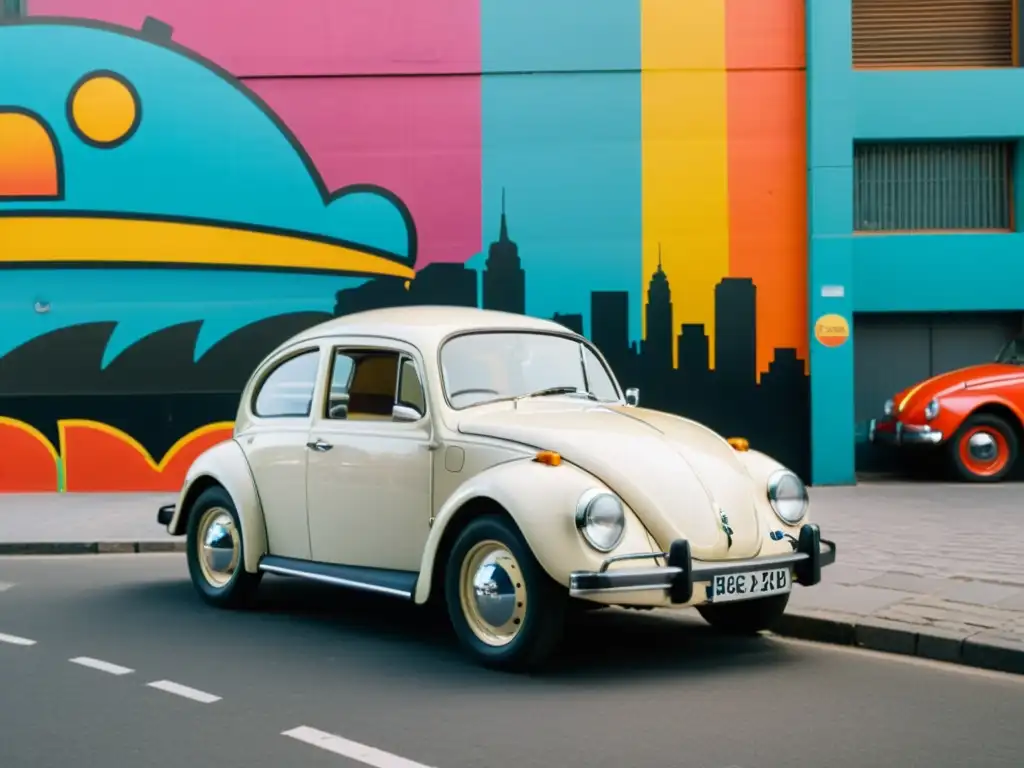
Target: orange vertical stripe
767	126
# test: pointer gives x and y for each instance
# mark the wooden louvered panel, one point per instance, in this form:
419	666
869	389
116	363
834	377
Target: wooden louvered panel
933	33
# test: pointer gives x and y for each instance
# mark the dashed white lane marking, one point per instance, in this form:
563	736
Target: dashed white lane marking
15	640
184	691
5	585
350	749
102	666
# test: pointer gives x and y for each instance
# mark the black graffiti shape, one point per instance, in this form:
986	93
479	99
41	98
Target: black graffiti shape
59	362
227	365
153	391
157	363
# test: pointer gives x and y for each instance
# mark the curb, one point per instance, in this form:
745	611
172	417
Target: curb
984	650
89	547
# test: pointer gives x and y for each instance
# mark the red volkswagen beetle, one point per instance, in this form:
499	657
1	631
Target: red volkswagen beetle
973	415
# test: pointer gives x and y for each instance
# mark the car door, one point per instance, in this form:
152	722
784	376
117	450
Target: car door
370	471
274	441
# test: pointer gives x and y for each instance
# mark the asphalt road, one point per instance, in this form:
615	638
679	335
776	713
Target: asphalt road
354	672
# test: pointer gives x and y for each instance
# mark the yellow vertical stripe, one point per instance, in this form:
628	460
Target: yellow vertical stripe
685	153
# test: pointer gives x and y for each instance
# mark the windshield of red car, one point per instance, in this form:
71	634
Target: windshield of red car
482	367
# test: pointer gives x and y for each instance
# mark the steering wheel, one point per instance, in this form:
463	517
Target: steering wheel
471	391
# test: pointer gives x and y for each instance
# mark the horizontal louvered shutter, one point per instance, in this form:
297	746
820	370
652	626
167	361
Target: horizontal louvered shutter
933	33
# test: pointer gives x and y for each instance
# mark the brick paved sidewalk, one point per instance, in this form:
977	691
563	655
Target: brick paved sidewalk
935	570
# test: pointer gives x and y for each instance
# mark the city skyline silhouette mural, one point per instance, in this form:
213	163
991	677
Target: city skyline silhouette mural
158	394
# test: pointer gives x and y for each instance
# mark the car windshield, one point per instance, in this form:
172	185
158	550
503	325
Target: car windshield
1012	352
487	366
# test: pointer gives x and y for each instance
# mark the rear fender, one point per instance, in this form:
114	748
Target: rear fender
225	465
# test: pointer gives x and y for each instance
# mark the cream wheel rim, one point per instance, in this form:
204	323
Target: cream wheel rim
219	546
493	593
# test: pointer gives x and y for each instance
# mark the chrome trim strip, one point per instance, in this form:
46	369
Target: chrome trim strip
577	592
904	434
637	556
335	581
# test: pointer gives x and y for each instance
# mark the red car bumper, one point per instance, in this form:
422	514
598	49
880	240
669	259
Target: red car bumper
895	432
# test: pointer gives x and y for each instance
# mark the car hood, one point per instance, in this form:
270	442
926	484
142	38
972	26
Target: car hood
675	474
972	376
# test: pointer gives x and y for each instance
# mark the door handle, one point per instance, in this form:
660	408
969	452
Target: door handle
319	445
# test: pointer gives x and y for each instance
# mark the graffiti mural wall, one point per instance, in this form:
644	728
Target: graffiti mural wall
184	185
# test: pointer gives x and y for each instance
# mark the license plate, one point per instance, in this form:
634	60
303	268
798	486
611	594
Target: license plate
748	586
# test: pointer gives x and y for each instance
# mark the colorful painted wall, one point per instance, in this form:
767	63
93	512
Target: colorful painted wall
185	184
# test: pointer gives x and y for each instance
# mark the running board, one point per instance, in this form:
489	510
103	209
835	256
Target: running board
379	580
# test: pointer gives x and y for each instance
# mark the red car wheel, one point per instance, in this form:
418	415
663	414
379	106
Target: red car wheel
984	449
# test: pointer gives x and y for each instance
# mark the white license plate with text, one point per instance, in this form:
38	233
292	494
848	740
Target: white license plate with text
748	586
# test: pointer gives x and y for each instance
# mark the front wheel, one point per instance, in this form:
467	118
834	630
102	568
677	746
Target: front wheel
984	449
747	617
215	551
505	610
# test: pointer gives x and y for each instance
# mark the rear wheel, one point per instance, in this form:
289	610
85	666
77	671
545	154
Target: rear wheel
747	617
505	610
984	449
215	551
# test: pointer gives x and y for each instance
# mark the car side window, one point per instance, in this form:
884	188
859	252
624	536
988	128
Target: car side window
288	390
363	385
410	388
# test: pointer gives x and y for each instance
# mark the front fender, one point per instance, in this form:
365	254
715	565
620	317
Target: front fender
956	408
760	467
225	464
541	499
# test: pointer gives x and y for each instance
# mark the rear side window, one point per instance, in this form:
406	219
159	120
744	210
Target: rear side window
288	390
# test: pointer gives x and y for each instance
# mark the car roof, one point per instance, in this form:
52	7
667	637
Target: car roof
425	326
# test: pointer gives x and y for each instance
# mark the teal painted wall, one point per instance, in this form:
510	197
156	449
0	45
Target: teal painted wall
891	273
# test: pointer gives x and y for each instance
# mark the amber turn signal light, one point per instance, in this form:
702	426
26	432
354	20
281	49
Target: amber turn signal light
550	458
739	443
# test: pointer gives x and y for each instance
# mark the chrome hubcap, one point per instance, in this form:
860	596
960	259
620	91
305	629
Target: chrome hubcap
493	593
982	446
219	546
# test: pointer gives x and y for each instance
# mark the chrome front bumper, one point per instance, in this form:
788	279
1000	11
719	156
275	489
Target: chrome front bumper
903	434
682	571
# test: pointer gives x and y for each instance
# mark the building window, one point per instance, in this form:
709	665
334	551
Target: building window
12	9
899	187
933	33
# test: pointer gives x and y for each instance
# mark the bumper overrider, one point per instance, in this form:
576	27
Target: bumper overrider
165	514
682	572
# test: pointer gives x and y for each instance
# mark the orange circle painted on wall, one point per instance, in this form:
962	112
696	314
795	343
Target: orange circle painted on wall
832	330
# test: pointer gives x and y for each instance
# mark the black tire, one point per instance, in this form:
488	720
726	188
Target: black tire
1008	448
238	590
747	617
542	622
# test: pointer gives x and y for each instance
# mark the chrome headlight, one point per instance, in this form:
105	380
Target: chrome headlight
931	410
788	496
889	407
601	519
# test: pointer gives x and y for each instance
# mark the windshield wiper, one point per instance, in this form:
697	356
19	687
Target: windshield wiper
548	391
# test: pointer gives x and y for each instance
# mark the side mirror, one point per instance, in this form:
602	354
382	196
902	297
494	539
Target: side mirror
405	413
632	396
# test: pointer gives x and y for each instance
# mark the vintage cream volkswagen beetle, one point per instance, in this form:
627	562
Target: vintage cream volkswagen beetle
490	461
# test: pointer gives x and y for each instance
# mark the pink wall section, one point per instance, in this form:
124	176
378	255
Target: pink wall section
307	37
417	136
